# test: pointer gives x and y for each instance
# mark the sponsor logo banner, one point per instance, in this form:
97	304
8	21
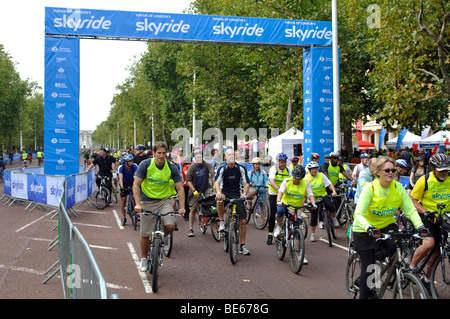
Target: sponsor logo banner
318	102
61	106
186	27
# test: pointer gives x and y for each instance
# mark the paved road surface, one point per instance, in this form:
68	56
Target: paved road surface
197	269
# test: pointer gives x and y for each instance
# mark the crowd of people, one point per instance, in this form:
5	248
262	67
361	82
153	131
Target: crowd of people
155	177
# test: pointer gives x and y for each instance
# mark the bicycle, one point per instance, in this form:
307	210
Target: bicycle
103	195
346	207
231	234
262	213
328	223
391	275
130	207
292	236
207	215
160	246
114	189
441	265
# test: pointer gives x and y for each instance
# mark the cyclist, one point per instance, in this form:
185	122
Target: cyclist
293	191
366	176
139	155
375	213
106	166
152	191
361	166
277	174
126	177
332	169
228	181
258	177
199	178
294	162
40	157
2	160
319	183
423	195
402	171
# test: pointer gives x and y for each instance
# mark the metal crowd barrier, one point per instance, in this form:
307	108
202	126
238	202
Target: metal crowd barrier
80	275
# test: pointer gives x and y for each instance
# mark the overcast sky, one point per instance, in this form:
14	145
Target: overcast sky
104	63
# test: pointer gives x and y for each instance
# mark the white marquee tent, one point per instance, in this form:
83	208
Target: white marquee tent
285	142
408	140
438	138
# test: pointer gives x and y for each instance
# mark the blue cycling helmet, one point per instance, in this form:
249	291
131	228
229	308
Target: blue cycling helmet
140	147
364	155
402	163
281	156
128	157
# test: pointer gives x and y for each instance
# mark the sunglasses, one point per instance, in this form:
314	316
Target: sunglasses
392	170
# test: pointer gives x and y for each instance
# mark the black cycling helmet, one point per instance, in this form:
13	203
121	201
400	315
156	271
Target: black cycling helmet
298	172
440	162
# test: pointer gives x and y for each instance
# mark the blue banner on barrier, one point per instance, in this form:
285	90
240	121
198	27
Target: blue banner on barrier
37	188
61	106
7	183
186	27
70	191
318	102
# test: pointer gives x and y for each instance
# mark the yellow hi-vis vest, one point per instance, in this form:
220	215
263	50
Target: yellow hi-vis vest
294	194
157	182
317	185
333	173
381	211
437	192
279	178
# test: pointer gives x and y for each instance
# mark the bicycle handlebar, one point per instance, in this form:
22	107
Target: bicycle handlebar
308	206
147	213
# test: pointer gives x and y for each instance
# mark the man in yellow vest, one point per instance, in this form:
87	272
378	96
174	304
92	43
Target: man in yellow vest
319	184
152	191
40	157
277	174
430	190
24	158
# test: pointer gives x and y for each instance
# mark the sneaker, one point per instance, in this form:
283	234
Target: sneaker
321	225
277	231
221	226
426	285
336	223
269	240
144	264
243	250
305	261
124	221
313	237
191	233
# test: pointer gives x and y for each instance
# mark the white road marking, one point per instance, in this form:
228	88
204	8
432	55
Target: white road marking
342	247
142	274
35	221
117	219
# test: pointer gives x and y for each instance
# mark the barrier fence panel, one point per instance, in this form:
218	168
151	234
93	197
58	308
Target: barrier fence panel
81	277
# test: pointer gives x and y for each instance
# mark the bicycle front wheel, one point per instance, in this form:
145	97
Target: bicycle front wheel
280	246
233	241
214	223
297	251
101	198
155	263
261	214
440	278
411	288
327	225
352	273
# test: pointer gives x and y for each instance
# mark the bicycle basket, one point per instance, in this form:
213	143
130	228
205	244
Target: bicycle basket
210	211
446	221
208	201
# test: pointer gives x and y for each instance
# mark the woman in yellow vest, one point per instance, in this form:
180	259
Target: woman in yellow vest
377	204
319	183
293	191
430	190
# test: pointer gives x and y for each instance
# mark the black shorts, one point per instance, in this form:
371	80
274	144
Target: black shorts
125	191
433	229
363	240
240	207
